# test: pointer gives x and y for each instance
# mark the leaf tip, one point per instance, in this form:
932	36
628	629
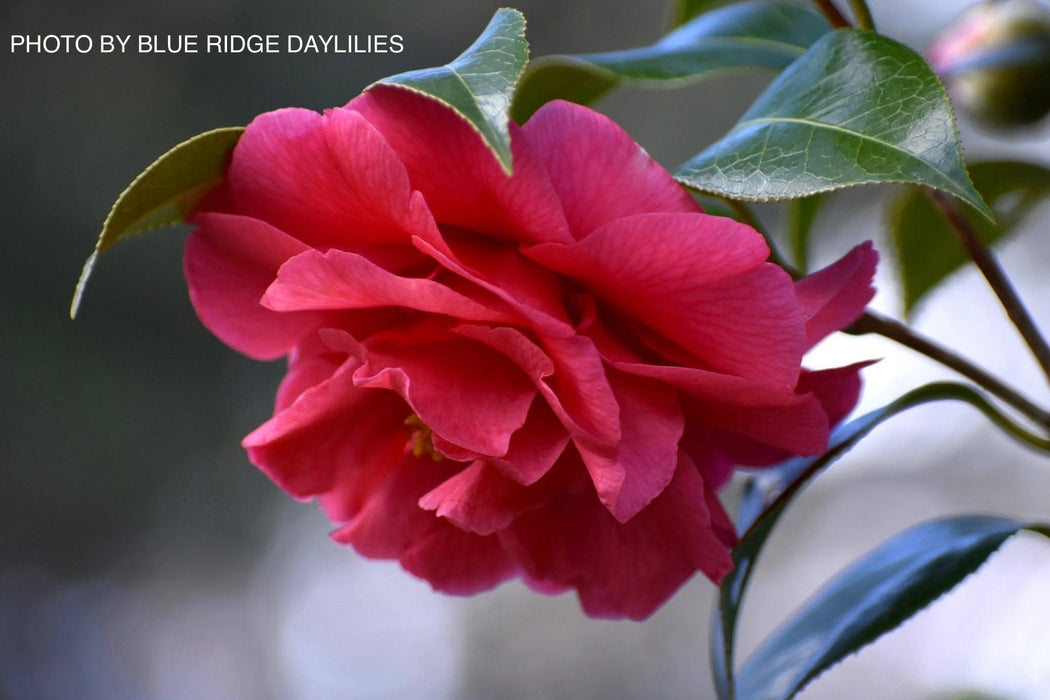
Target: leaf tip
78	293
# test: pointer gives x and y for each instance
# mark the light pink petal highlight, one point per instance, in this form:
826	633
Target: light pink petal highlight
835	297
598	170
229	262
330	180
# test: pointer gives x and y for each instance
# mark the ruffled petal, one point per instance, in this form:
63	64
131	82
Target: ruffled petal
480	499
331	435
598	170
229	262
457	562
699	281
341	280
463	183
835	297
651	425
622	569
329	180
392	526
464	391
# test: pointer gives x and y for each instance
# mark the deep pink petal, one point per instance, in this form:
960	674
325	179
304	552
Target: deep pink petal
341	280
835	297
651	423
799	429
837	389
598	170
529	289
391	521
699	281
329	180
464	391
622	569
391	525
229	262
330	430
482	500
457	562
462	181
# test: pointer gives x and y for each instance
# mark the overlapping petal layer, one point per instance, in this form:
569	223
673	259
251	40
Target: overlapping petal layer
546	375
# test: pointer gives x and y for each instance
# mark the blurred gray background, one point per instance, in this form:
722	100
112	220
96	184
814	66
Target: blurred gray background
141	556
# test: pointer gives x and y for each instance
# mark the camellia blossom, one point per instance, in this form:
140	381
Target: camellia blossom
547	375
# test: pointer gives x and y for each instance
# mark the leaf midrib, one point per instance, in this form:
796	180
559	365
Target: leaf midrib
841	129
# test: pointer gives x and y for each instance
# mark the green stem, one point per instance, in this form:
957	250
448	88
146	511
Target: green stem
996	277
835	18
862	14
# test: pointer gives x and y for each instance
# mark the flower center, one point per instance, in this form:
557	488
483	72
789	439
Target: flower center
422	438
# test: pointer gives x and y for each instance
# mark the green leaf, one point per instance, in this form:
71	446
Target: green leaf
768	496
749	35
927	249
479	83
858	108
873	596
801	215
163	193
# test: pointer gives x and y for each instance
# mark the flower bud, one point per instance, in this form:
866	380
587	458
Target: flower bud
995	61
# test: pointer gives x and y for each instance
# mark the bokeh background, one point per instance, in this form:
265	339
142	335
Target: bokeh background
141	556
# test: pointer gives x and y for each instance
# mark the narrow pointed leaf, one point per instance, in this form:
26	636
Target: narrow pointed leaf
479	83
164	193
873	596
927	249
858	108
748	35
768	496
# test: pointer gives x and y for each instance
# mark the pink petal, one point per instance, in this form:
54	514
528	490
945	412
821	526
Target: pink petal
599	172
535	448
330	181
622	569
571	378
464	391
835	297
651	422
330	430
391	520
392	526
462	181
699	281
229	262
800	429
480	499
529	289
458	562
837	389
342	280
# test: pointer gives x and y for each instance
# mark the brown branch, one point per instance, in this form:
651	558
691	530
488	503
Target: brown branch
996	277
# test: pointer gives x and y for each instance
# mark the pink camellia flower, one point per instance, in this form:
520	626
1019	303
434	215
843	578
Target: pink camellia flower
545	376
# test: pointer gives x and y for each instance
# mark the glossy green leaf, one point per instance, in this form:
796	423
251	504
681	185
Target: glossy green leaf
928	251
858	108
748	35
163	193
871	597
773	490
479	83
